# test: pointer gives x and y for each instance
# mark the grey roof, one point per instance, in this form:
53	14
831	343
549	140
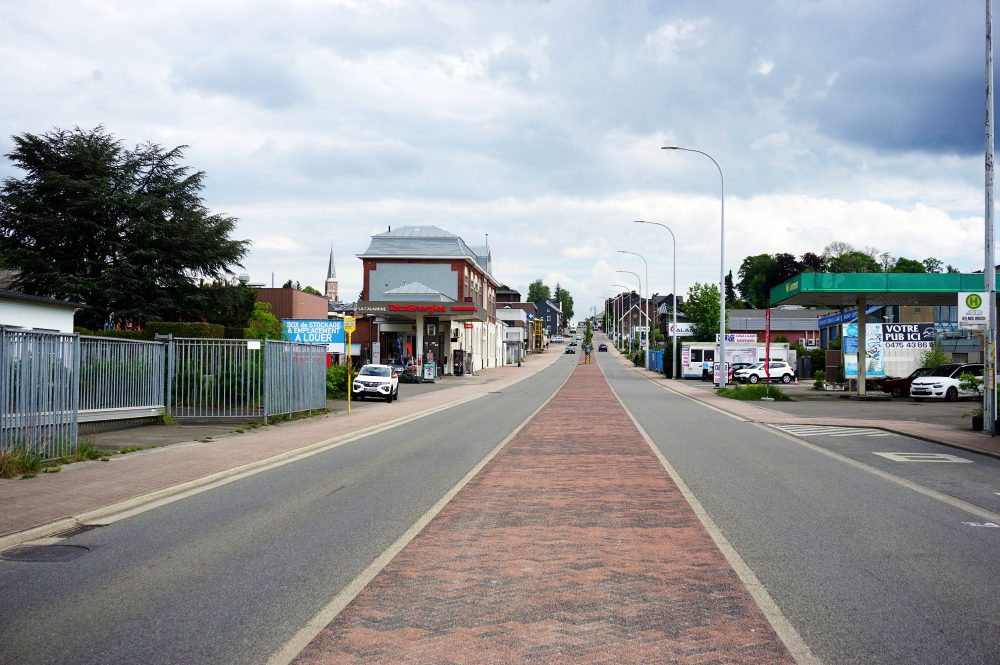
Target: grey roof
781	319
418	292
42	300
417	241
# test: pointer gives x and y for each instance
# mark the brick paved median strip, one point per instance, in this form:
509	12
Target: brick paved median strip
572	545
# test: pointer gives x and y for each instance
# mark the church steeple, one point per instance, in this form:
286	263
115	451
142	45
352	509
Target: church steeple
332	286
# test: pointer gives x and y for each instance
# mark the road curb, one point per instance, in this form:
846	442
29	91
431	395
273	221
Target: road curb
136	505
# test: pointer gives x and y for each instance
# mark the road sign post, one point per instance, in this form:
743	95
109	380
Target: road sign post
349	326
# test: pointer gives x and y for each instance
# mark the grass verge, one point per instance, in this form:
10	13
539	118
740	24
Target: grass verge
754	392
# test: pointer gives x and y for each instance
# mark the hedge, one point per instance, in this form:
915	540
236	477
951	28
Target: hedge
186	329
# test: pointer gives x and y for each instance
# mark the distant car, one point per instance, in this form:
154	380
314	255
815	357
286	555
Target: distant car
558	339
943	382
573	343
778	370
376	381
900	386
570	349
579	337
604	347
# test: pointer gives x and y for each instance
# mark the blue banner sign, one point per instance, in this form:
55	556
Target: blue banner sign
313	331
844	317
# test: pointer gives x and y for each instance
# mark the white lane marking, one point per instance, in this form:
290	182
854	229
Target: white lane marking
989	525
782	626
830	430
924	457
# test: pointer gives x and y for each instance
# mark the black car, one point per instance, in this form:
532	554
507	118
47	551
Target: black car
604	347
570	349
900	386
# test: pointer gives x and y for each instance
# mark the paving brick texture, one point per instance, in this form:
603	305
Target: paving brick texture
571	546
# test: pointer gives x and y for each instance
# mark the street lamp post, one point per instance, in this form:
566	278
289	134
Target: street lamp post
621	311
722	265
674	304
638	279
643	306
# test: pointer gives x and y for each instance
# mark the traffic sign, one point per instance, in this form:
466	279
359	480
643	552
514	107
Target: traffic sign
349	324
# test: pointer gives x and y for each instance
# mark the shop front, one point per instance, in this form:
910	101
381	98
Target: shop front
431	338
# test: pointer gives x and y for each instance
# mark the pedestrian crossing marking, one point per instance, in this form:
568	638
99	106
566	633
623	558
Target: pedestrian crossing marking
829	430
924	457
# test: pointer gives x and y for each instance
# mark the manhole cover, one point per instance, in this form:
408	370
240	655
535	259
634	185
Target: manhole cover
44	553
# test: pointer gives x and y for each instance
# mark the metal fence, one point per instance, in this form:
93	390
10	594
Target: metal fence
121	378
244	379
51	382
39	392
294	377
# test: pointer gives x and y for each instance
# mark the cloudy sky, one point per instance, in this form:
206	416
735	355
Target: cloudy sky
538	123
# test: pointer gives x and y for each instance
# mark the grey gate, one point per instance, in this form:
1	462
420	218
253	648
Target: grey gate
39	392
244	379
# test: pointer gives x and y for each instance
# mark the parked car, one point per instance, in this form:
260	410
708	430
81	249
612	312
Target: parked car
943	382
604	347
900	386
376	381
570	349
735	367
779	370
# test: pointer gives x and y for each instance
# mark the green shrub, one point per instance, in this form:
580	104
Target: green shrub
20	460
187	329
819	379
140	335
336	382
753	392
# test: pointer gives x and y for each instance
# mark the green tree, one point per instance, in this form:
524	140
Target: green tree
702	309
538	291
263	324
311	290
854	262
219	302
566	300
730	289
124	231
933	265
934	356
756	274
908	265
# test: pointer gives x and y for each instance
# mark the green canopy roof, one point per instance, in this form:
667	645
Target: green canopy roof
820	289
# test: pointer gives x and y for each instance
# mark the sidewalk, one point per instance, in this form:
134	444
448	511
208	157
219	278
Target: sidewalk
52	503
571	545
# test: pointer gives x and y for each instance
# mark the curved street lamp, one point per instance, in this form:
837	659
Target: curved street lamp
643	307
638	279
674	305
722	265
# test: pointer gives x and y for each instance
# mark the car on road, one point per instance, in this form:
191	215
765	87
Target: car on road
558	339
573	343
604	347
570	349
779	370
899	386
379	381
944	382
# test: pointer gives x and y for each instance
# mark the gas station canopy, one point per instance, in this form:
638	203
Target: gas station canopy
841	290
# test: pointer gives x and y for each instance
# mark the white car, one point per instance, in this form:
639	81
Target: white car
944	382
779	371
558	339
376	381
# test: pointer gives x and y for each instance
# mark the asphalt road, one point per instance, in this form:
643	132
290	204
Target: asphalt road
870	559
229	575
